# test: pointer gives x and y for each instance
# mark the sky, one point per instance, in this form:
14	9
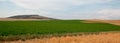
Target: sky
62	9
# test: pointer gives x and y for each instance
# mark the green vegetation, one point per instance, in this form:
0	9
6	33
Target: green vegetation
52	27
23	30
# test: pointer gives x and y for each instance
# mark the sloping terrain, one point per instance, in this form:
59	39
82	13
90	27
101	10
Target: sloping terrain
115	22
30	17
12	19
26	18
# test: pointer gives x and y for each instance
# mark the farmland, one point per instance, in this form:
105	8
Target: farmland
52	26
14	28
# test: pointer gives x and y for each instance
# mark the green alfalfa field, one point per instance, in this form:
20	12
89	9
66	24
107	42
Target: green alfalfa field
52	26
14	28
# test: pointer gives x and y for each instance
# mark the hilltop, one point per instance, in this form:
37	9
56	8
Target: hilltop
26	17
30	17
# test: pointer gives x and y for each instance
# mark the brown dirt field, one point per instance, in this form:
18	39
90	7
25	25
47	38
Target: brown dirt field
108	37
115	22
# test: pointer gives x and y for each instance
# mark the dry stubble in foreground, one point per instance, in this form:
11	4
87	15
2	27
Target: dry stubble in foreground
99	38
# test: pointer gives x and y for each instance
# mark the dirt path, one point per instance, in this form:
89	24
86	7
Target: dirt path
111	37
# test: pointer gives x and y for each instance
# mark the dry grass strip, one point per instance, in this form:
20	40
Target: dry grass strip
104	37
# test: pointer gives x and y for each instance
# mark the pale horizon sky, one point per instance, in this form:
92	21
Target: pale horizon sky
62	9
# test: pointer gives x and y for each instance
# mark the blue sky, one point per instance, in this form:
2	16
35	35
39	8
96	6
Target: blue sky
62	9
